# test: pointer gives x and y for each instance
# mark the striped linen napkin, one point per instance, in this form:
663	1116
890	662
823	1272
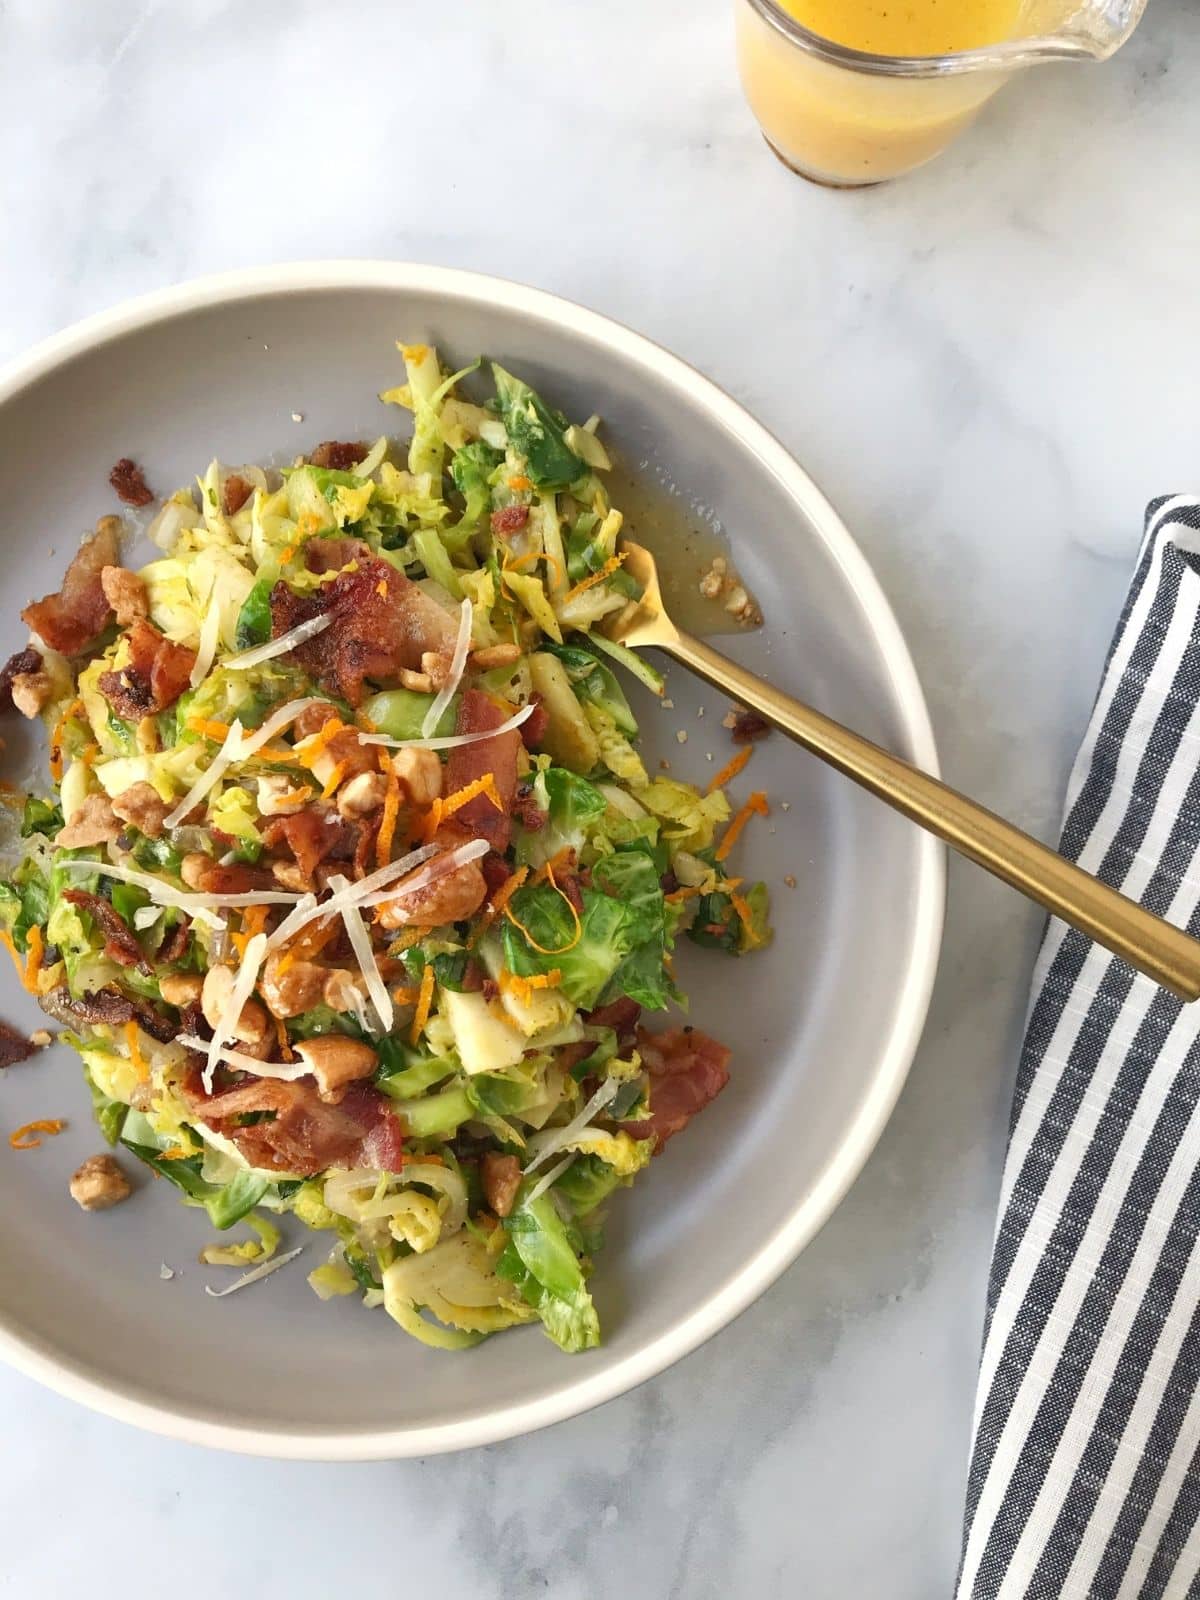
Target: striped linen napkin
1085	1469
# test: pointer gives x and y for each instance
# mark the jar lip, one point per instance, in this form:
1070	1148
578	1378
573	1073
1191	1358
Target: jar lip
1009	54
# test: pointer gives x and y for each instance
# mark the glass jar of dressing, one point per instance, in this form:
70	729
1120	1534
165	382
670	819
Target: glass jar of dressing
851	92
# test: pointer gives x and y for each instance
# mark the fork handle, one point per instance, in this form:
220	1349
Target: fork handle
1152	945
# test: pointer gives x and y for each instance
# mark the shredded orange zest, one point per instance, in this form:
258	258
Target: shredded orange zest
310	748
424	1001
288	757
310	943
683	893
285	1048
606	571
441	809
286	554
523	988
507	889
211	730
75	709
731	769
742	906
404	996
391	810
135	1049
254	920
405	940
515	563
381	588
26	1136
334	778
175	1153
541	948
89	753
560	859
33	962
755	806
519	482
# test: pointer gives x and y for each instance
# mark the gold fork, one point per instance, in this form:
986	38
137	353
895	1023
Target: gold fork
1155	947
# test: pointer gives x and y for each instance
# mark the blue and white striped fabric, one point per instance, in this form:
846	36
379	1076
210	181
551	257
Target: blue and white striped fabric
1085	1469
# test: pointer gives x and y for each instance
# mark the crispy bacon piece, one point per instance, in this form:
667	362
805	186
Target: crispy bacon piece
235	491
340	454
496	872
155	676
312	835
14	1046
119	942
108	1005
501	1177
332	554
69	620
527	811
129	481
381	623
509	520
18	666
748	726
174	946
306	1134
477	713
620	1015
687	1070
533	729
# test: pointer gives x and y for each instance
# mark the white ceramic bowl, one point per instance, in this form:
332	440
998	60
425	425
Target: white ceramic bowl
823	1025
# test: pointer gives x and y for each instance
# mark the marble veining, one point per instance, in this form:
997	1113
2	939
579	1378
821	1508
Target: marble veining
990	369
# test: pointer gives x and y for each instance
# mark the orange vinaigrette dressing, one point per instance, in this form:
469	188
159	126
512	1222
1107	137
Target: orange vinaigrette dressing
909	27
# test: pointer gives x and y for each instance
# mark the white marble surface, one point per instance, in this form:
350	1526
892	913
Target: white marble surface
990	367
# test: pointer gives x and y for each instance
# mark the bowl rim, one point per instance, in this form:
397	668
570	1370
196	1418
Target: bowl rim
79	1382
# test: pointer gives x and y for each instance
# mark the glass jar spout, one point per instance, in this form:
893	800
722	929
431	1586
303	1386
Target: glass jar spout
847	116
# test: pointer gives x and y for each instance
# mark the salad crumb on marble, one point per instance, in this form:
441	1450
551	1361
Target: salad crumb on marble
349	884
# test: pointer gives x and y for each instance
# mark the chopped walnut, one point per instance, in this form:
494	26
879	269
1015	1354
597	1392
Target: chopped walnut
99	1184
40	1038
277	797
336	1060
299	986
140	806
125	593
31	691
181	988
253	1030
436	667
420	775
418	682
94	823
790	879
741	606
363	794
495	655
290	875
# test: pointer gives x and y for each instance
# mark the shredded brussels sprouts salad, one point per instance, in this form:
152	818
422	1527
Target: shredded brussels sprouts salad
352	889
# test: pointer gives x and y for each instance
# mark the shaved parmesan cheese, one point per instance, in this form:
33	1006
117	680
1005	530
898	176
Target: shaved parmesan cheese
277	647
354	894
547	1178
210	630
471	851
243	987
263	1271
165	894
284	1071
360	941
458	662
448	741
278	720
238	746
211	775
558	1138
